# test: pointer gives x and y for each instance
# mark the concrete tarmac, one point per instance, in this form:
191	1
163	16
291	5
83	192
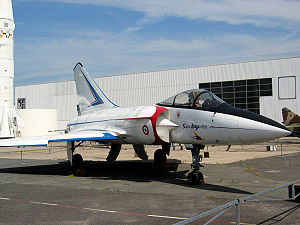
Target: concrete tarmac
133	192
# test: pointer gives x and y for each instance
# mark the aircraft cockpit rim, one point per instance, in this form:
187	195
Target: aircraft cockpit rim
194	100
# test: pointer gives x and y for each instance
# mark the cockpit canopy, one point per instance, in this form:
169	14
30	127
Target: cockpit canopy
195	98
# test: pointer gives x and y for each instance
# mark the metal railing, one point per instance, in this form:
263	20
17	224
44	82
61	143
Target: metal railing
223	208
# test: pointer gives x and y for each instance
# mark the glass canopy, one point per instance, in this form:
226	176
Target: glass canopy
195	98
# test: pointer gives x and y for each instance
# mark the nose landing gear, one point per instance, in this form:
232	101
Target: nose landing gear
196	177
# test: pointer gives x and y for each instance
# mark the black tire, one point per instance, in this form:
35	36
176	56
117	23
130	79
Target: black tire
159	157
200	177
191	178
77	161
195	177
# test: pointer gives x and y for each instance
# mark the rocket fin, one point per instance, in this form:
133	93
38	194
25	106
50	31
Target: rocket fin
5	123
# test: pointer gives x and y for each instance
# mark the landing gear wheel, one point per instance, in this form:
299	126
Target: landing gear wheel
77	165
160	157
77	160
195	177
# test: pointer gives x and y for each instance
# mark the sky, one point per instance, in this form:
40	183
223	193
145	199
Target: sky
115	37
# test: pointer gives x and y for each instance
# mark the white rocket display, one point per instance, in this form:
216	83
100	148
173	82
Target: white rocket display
8	118
7	27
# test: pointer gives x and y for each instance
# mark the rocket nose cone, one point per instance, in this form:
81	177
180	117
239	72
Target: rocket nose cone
6	11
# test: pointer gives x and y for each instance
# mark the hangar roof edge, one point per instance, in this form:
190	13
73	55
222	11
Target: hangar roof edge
129	74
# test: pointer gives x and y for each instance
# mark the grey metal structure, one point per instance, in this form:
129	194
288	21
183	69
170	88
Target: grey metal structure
223	208
148	88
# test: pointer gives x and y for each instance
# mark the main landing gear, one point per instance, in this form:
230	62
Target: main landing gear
160	156
75	160
196	177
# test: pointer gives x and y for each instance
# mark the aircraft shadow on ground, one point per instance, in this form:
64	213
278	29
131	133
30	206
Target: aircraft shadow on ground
137	171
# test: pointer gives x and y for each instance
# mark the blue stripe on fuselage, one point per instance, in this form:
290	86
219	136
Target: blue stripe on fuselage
106	136
99	121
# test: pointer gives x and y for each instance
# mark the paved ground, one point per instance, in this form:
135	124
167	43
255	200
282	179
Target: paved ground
132	192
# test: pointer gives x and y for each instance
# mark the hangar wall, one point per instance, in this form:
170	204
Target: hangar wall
147	88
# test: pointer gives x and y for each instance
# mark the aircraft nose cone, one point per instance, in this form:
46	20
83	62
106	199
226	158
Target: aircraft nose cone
273	132
284	133
254	128
264	129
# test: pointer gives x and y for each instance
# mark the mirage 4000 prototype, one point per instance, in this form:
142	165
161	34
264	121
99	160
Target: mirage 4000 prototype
195	118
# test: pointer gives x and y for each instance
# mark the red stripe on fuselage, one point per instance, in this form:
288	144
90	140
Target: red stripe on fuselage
159	110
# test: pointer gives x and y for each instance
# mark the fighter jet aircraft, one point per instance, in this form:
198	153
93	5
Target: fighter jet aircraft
195	118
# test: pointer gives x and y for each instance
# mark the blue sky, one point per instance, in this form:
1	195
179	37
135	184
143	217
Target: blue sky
113	37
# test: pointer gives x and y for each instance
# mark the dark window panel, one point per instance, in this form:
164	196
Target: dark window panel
216	90
253	105
252	99
252	87
240	94
265	93
21	103
216	84
240	100
219	95
239	89
227	83
227	89
265	81
252	82
253	93
228	95
204	86
265	87
239	82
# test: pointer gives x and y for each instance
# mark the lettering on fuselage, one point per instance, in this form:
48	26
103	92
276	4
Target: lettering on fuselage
194	126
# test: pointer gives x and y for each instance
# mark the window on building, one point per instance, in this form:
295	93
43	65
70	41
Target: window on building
21	103
287	87
243	94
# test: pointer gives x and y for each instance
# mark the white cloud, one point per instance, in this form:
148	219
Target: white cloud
111	54
140	24
257	12
105	53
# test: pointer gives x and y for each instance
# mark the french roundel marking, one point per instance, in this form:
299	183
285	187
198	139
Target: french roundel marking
145	130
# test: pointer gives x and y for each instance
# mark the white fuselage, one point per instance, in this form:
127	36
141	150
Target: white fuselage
143	125
126	122
204	127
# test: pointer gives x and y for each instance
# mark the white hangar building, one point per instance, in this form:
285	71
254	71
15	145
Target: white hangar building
263	86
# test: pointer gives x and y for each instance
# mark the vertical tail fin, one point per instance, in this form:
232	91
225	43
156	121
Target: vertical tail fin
90	95
289	117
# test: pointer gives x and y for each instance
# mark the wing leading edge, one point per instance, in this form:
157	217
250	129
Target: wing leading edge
45	140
